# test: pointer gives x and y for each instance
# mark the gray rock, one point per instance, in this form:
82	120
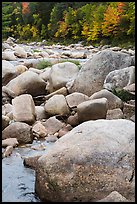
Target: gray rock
60	74
91	76
40	113
24	109
120	78
88	163
5	121
8	72
114	197
113	100
19	130
39	130
57	105
8	55
10	142
20	52
53	125
75	99
114	114
92	109
27	83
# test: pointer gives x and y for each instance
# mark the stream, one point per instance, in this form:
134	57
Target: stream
18	181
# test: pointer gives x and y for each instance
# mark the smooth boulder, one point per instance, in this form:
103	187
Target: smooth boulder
27	83
120	78
57	105
60	74
19	130
92	74
92	109
88	163
24	109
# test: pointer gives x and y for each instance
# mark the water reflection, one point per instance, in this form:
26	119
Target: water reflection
18	181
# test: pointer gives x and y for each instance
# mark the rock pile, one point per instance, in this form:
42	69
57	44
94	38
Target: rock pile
92	127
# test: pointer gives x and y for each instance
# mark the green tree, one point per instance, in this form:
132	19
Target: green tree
7	12
131	16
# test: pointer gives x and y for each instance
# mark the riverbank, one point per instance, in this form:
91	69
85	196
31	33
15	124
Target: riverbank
47	109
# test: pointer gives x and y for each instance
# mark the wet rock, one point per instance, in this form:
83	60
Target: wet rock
51	138
39	147
31	162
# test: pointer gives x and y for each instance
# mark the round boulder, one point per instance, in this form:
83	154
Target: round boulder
88	163
19	130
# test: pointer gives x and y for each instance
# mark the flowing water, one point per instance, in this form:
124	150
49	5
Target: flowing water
18	181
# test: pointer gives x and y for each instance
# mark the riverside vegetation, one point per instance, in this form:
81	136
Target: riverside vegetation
70	22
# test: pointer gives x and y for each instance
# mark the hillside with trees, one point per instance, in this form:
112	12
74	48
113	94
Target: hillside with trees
67	22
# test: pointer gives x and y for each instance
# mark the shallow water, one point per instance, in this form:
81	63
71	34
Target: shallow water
18	181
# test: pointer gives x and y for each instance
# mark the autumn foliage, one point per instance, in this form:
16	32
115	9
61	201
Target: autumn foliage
89	21
25	8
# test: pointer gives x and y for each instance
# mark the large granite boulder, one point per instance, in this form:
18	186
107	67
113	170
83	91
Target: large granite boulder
88	163
60	74
91	76
120	78
27	83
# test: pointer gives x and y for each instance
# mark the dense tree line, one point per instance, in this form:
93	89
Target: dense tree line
87	21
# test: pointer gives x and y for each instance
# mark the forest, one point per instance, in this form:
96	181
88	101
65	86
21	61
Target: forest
68	22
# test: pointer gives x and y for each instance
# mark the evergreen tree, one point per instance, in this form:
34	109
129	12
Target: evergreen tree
7	9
